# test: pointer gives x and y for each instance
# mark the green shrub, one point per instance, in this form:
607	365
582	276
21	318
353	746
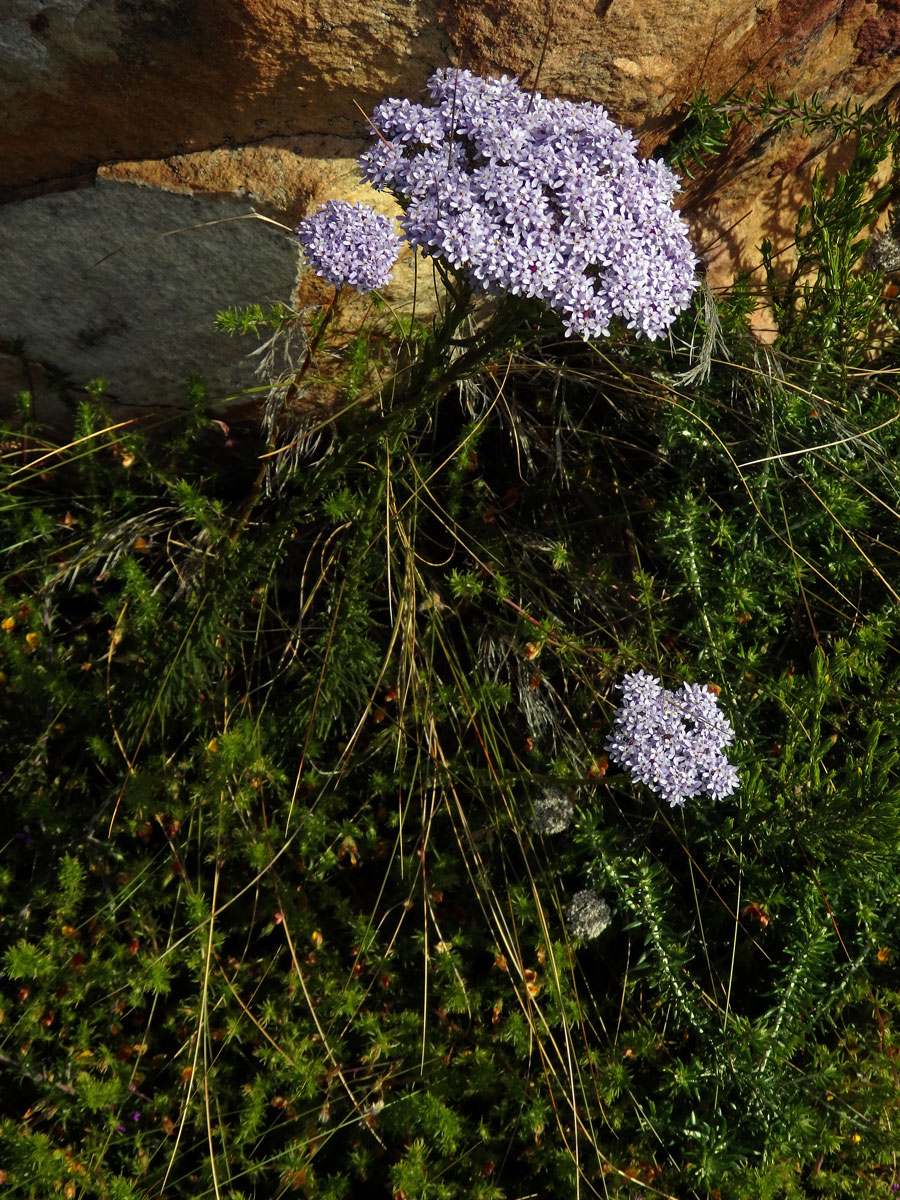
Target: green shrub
277	919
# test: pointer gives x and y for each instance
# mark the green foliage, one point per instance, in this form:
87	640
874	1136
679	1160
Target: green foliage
708	122
252	318
823	292
276	916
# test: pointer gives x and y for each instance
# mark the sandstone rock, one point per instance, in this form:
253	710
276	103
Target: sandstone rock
230	105
124	282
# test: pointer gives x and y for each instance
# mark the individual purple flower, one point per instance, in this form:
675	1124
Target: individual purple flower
350	244
673	741
539	198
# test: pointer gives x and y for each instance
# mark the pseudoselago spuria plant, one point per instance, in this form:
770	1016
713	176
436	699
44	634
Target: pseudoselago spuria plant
672	741
516	195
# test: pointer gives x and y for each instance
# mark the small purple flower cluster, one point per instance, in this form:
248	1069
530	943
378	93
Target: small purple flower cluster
350	244
672	741
536	197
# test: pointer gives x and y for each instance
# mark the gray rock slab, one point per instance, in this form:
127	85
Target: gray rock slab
123	282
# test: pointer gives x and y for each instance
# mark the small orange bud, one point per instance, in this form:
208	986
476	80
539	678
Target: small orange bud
317	939
8	624
532	984
348	849
598	768
32	639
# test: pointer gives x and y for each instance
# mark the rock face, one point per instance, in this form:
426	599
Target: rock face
108	266
157	113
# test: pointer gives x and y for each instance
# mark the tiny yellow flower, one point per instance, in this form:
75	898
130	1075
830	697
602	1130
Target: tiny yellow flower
213	746
855	1138
8	624
317	938
32	639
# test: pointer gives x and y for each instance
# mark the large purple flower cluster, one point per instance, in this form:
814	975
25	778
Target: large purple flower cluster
672	741
350	244
536	197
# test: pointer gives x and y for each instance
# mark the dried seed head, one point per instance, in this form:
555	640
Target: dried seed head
553	811
883	253
588	915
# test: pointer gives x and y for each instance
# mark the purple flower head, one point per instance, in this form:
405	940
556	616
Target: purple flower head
672	741
536	197
350	244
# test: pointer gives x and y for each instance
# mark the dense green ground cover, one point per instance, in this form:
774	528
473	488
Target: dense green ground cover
276	917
